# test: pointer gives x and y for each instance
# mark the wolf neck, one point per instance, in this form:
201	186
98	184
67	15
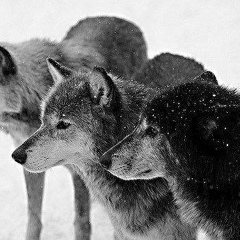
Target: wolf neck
129	198
132	198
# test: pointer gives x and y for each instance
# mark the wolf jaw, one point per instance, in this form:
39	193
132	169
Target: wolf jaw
138	209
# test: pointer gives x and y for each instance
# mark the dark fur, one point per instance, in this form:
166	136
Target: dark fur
194	142
107	109
110	42
204	135
123	52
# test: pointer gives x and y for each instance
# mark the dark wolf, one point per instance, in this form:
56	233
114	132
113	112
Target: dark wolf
110	42
166	70
85	114
190	135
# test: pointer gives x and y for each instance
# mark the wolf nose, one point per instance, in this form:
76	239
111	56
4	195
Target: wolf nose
19	157
105	161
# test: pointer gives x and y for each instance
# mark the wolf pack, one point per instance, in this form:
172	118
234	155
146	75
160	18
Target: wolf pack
155	141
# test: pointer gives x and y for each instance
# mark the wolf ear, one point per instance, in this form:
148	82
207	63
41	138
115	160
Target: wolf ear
58	71
7	64
208	77
103	89
215	129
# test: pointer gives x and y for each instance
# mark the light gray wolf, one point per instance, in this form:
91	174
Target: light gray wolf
110	42
190	136
86	113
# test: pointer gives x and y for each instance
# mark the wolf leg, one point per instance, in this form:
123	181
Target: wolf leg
35	186
82	209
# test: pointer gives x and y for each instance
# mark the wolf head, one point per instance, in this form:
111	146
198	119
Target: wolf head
194	127
79	116
24	81
137	155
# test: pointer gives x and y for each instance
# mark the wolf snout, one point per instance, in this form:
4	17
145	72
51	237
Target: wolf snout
19	156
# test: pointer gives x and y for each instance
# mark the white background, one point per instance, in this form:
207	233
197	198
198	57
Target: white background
207	30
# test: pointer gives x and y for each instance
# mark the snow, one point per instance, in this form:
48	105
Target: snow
209	31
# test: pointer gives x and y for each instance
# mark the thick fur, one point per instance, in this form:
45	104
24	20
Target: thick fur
84	115
116	44
167	70
110	42
189	135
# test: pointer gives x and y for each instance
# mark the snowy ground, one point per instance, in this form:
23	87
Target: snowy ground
206	30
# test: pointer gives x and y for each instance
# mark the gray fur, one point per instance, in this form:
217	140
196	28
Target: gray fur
78	126
113	43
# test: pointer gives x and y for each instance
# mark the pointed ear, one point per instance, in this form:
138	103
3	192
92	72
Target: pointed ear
7	64
104	91
215	129
58	71
207	77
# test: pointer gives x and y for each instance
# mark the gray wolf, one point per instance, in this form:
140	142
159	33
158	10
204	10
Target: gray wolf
167	70
110	42
86	113
190	136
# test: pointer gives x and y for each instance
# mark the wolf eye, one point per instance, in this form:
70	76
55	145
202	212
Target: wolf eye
152	131
63	125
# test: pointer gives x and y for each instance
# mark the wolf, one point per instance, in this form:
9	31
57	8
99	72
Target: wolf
167	69
86	113
110	42
190	136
